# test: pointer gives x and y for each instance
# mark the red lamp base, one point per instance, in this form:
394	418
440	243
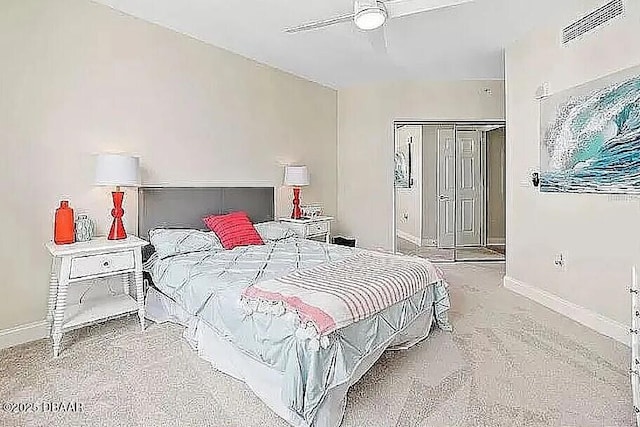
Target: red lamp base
117	231
297	212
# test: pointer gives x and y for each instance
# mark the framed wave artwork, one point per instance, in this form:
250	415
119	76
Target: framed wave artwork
591	137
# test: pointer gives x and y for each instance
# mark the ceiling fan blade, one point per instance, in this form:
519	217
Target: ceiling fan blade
398	8
378	40
320	24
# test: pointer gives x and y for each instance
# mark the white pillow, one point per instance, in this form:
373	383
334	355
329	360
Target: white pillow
174	241
273	231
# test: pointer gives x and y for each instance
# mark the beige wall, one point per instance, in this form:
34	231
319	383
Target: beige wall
597	233
78	78
365	143
496	188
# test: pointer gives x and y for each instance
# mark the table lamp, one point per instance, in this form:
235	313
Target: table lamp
296	177
117	170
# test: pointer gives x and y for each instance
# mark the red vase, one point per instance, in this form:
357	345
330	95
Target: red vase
64	228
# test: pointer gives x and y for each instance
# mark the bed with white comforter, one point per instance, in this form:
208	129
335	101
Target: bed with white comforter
304	384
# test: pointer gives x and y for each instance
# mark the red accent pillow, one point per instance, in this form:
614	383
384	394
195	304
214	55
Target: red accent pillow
233	229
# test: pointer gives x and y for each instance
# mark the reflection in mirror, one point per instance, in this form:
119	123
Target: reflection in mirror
480	193
424	211
450	191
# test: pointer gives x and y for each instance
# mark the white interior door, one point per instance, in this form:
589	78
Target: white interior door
446	188
469	188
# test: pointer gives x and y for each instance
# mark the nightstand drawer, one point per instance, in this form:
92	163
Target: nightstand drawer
101	264
316	228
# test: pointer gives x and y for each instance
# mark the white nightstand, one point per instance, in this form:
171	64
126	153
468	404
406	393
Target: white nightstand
311	227
93	259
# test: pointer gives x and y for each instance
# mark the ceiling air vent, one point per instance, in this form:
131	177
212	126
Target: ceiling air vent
596	18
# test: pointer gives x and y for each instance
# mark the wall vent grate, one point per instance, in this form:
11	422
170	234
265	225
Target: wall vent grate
593	20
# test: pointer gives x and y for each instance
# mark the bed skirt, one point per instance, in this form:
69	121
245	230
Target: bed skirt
262	379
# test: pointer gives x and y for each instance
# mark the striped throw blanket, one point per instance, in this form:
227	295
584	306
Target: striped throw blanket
336	294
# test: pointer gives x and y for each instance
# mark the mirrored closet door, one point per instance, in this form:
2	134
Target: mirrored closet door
449	191
480	192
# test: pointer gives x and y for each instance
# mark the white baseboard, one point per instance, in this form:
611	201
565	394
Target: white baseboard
496	241
409	238
584	316
23	333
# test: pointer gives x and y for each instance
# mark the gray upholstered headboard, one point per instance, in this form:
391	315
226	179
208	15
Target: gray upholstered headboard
184	207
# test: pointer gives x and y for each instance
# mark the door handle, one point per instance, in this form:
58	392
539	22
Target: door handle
444	197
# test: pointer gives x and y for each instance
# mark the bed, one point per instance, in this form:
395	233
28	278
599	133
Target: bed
203	290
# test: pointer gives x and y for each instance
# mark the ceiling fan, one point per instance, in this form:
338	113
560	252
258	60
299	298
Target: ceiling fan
370	15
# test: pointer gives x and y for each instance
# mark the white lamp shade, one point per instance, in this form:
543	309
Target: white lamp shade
117	170
296	176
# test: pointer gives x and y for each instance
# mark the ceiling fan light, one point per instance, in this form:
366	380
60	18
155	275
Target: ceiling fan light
370	18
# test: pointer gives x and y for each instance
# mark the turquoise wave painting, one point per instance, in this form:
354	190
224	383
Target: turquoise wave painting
591	137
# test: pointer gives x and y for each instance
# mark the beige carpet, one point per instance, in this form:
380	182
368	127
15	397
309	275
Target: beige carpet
509	362
441	255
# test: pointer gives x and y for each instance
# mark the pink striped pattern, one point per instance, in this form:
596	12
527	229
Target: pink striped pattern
336	294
